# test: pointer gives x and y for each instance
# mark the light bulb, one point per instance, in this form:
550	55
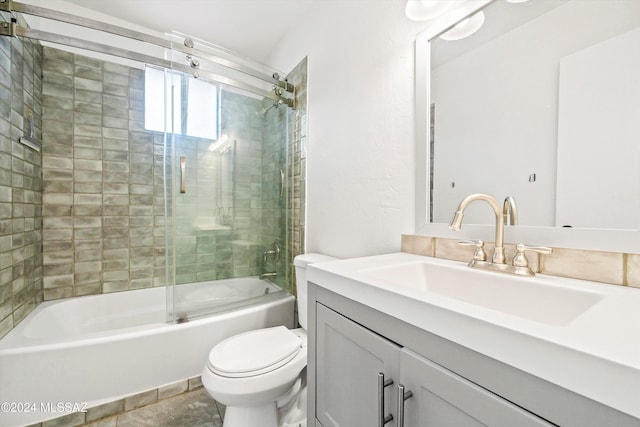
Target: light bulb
423	10
465	28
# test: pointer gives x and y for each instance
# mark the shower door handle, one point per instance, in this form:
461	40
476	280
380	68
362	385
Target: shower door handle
183	175
281	183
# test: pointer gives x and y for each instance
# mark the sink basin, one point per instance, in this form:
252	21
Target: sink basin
535	298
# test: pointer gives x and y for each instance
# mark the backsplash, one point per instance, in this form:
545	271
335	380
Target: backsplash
607	267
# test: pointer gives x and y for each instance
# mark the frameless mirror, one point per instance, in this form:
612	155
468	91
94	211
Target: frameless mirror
542	104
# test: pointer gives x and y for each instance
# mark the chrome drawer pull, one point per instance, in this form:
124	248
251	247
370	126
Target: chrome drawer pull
382	383
402	396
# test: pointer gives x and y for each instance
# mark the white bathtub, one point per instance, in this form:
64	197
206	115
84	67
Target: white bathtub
94	349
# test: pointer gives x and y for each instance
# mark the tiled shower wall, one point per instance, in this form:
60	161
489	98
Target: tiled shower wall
103	198
297	152
87	215
274	196
226	185
20	181
102	191
284	152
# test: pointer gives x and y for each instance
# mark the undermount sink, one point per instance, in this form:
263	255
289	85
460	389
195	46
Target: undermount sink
534	298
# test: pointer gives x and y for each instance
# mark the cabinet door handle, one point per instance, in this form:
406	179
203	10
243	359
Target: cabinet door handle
402	396
382	383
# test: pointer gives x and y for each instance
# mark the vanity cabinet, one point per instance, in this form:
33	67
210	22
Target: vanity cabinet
351	344
349	360
353	364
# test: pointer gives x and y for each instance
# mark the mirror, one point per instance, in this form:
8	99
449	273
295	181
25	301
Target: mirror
541	104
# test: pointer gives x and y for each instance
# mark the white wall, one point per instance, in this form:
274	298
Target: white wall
360	163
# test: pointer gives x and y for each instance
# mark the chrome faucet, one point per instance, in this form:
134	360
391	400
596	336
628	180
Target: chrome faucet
456	222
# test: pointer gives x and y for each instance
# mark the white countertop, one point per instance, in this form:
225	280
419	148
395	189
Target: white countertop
596	355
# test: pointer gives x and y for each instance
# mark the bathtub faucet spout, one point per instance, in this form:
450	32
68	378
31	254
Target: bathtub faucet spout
264	275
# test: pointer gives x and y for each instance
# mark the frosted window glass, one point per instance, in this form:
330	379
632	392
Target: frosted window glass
200	108
154	111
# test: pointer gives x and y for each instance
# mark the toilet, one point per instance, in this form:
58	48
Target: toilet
258	375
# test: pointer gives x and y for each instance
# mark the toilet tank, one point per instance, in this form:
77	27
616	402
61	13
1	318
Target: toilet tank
301	262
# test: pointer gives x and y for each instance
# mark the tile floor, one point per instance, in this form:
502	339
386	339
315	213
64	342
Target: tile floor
192	409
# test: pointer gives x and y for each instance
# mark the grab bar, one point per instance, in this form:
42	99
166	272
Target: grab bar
183	175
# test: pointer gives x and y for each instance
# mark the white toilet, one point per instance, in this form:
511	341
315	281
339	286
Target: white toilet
257	374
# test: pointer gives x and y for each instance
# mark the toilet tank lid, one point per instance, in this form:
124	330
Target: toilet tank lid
303	260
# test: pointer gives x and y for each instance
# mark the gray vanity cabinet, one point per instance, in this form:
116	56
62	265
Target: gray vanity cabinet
350	344
349	360
441	398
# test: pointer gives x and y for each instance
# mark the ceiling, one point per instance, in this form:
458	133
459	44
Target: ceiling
251	28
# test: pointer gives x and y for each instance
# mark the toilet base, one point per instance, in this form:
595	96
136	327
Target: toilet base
263	416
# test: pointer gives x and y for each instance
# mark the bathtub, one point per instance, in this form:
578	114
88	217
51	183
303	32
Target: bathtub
84	351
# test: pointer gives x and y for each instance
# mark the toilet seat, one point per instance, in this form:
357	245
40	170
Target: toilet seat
254	353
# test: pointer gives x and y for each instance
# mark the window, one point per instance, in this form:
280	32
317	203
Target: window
195	104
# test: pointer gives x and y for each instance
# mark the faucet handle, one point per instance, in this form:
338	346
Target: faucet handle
520	259
479	254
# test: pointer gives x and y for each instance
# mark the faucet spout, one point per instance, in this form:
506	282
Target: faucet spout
509	211
456	222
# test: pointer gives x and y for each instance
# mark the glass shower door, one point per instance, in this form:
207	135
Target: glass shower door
228	204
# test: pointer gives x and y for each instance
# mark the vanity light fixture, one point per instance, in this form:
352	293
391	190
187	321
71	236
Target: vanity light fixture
465	28
423	10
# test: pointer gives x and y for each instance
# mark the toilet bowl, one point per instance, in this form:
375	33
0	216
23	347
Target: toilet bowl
259	373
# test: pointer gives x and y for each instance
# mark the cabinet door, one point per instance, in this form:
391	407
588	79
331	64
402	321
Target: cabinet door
349	358
443	399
